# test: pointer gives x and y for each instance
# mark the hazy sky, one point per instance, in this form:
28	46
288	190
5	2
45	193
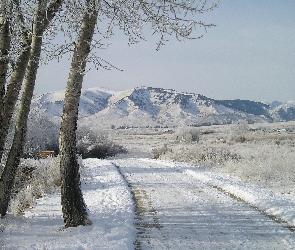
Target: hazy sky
249	55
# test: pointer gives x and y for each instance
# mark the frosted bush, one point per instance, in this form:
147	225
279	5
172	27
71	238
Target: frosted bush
34	179
48	174
38	189
266	164
158	152
42	135
22	200
202	155
187	135
239	130
217	155
97	144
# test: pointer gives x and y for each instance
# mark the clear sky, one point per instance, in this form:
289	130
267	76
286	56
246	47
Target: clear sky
249	55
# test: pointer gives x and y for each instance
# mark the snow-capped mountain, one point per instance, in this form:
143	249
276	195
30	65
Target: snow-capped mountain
284	112
146	106
92	101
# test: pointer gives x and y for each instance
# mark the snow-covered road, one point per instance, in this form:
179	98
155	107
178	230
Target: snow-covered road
178	211
149	204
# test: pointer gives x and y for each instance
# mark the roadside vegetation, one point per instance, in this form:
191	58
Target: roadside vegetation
35	178
262	154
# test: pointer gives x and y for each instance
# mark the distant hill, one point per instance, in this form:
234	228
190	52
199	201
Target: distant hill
146	106
284	112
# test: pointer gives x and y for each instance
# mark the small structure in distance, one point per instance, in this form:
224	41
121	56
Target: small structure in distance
44	154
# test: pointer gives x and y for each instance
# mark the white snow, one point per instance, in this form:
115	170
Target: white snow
110	208
264	200
158	106
184	207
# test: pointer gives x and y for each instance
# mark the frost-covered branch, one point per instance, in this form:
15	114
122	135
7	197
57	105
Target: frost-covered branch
134	18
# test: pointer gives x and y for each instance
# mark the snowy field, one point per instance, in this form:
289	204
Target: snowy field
136	202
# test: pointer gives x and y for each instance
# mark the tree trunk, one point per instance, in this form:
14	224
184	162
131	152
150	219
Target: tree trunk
8	175
4	51
42	18
17	76
12	94
7	178
73	205
4	46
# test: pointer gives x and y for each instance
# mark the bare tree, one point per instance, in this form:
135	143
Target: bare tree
73	205
164	17
44	13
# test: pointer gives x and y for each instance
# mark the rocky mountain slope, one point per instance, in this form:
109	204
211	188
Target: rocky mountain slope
146	106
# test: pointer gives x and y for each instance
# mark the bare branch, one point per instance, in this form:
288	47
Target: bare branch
165	18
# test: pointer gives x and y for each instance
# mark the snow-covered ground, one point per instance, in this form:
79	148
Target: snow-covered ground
110	207
149	204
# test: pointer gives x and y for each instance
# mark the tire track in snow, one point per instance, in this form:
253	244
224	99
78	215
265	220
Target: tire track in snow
280	221
143	209
236	197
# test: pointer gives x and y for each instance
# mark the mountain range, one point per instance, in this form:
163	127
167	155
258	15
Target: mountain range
147	106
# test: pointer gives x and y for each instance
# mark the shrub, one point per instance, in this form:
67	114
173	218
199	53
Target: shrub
34	178
239	131
208	132
158	152
188	135
22	200
198	155
217	155
42	135
96	145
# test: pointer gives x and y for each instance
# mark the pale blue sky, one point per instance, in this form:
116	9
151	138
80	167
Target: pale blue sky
249	55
